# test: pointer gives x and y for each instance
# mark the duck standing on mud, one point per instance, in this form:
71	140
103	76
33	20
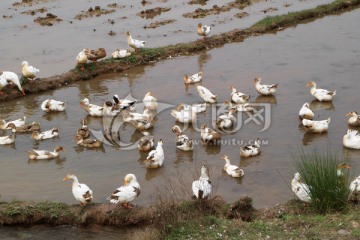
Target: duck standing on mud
82	58
29	71
203	30
126	193
81	191
134	43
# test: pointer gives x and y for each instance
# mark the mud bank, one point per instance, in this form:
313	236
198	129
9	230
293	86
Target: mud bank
150	55
55	214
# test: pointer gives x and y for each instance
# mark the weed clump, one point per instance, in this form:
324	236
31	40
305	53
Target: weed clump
328	189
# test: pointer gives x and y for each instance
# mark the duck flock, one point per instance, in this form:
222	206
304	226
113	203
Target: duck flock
142	121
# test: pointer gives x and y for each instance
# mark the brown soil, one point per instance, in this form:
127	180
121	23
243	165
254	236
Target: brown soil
201	13
28	2
115	5
146	56
97	11
153	12
48	20
7	17
159	23
269	10
34	12
200	2
241	14
111	33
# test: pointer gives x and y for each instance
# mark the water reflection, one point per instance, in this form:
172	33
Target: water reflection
203	59
350	153
155	172
79	149
317	105
183	156
309	137
266	99
58	161
55	115
213	149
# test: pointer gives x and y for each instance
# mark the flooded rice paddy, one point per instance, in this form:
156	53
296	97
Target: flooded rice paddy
290	58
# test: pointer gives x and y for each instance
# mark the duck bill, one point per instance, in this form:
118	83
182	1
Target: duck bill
64	150
125	182
348	114
65	178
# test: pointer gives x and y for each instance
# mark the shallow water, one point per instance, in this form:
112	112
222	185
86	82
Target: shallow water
61	232
53	49
290	58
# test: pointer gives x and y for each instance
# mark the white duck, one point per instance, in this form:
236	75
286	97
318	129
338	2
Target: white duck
355	190
232	170
126	193
121	53
241	107
92	109
354	119
81	191
4	140
124	103
226	120
51	105
238	97
183	142
45	135
134	43
29	72
110	110
10	78
206	94
203	30
320	94
351	139
155	159
209	136
264	89
44	154
202	187
146	142
150	101
306	112
197	77
18	123
185	115
316	126
300	189
82	58
142	124
130	116
197	108
250	149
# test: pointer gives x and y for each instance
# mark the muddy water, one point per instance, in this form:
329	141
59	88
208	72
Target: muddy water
62	232
290	58
53	49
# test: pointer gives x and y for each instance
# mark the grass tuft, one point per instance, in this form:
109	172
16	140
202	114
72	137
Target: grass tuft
328	191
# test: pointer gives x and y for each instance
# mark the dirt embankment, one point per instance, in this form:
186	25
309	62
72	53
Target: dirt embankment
29	213
145	56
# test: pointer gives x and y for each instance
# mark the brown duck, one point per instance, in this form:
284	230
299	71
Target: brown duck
95	55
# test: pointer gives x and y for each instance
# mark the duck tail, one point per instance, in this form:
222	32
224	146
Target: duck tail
352	133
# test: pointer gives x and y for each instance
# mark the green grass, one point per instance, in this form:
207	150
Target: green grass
290	18
328	191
